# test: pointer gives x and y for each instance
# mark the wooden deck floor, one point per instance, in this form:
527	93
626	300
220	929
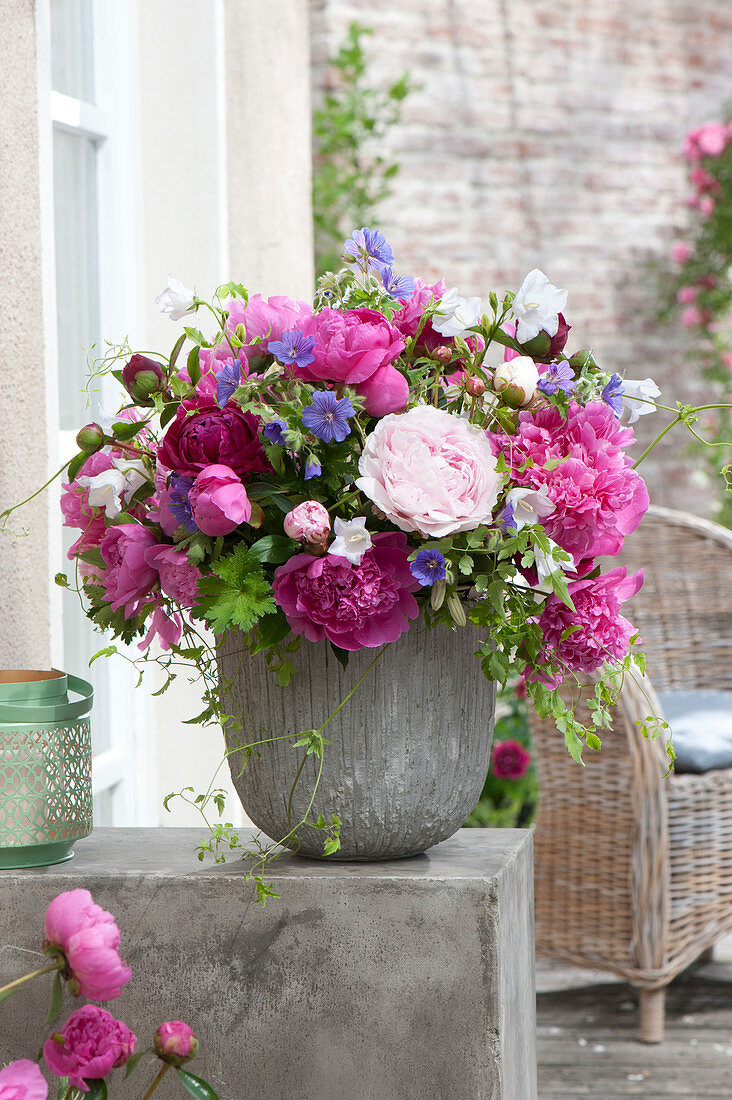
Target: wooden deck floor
587	1035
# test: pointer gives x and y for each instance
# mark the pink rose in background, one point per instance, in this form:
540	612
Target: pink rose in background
598	497
510	760
219	501
202	434
88	938
178	578
386	391
706	205
708	140
90	1044
686	294
22	1080
702	180
352	606
128	579
308	522
680	252
429	471
350	346
599	631
175	1043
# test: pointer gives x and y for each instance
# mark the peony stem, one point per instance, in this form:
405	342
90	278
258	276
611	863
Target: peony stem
27	977
157	1081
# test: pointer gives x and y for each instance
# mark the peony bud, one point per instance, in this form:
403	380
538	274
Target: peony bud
545	348
581	359
175	1043
308	522
516	381
143	377
475	387
442	355
90	439
218	501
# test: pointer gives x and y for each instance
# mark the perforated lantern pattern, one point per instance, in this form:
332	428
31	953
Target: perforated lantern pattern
45	780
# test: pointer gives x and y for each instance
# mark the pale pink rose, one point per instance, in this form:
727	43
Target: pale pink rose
128	579
89	1046
686	294
178	578
219	501
429	471
711	139
680	252
308	522
386	391
22	1080
706	205
175	1043
88	938
691	317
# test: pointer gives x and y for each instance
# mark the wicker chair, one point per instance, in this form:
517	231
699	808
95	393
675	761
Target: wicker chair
633	871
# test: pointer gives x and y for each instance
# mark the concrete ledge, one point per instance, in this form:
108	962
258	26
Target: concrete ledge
408	980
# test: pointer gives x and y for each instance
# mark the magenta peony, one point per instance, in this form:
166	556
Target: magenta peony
308	522
386	391
22	1080
88	938
599	631
166	628
350	346
219	501
77	510
175	1042
407	319
510	760
351	605
429	471
178	578
90	1044
598	497
203	434
128	577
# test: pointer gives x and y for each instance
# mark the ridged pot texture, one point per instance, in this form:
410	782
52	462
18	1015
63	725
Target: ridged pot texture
409	752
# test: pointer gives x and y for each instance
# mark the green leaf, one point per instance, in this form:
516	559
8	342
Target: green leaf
108	651
61	580
177	349
127	429
331	845
75	465
196	1085
168	413
8	993
57	999
237	595
342	655
232	290
274	549
196	336
132	1062
97	1089
193	365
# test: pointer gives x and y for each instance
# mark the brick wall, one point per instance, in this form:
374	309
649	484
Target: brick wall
546	134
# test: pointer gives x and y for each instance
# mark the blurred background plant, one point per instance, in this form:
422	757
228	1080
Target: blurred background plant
351	174
698	287
511	790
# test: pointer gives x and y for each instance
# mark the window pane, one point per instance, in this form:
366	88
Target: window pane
72	60
77	292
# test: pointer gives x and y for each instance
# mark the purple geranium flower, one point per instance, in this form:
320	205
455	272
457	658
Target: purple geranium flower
507	517
369	248
312	468
274	432
179	503
293	350
227	380
399	286
428	567
558	376
612	395
327	416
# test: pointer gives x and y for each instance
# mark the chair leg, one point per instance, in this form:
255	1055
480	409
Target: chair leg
652	1012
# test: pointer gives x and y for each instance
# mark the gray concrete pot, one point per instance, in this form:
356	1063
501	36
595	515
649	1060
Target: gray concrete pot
409	752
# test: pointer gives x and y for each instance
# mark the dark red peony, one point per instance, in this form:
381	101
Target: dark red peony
203	434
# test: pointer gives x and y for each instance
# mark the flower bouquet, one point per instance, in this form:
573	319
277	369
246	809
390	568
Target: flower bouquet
392	458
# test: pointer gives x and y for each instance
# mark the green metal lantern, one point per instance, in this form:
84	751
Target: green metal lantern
45	767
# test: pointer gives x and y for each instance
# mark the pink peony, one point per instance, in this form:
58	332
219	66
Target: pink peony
175	1042
351	605
219	501
680	252
598	630
266	318
178	578
89	1046
308	522
22	1080
88	938
430	471
128	579
78	512
166	628
598	497
386	391
203	434
350	346
407	319
510	760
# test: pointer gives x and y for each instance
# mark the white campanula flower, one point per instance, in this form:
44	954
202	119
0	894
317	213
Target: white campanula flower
537	306
352	539
546	563
455	316
176	300
637	397
111	488
527	507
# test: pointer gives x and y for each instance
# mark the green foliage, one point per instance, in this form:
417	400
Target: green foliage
351	176
508	803
237	595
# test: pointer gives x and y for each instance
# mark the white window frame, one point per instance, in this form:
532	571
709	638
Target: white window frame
128	767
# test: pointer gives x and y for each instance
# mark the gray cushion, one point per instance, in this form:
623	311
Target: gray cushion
701	728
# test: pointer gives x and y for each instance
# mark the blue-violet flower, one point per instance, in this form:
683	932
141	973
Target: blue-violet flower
327	416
